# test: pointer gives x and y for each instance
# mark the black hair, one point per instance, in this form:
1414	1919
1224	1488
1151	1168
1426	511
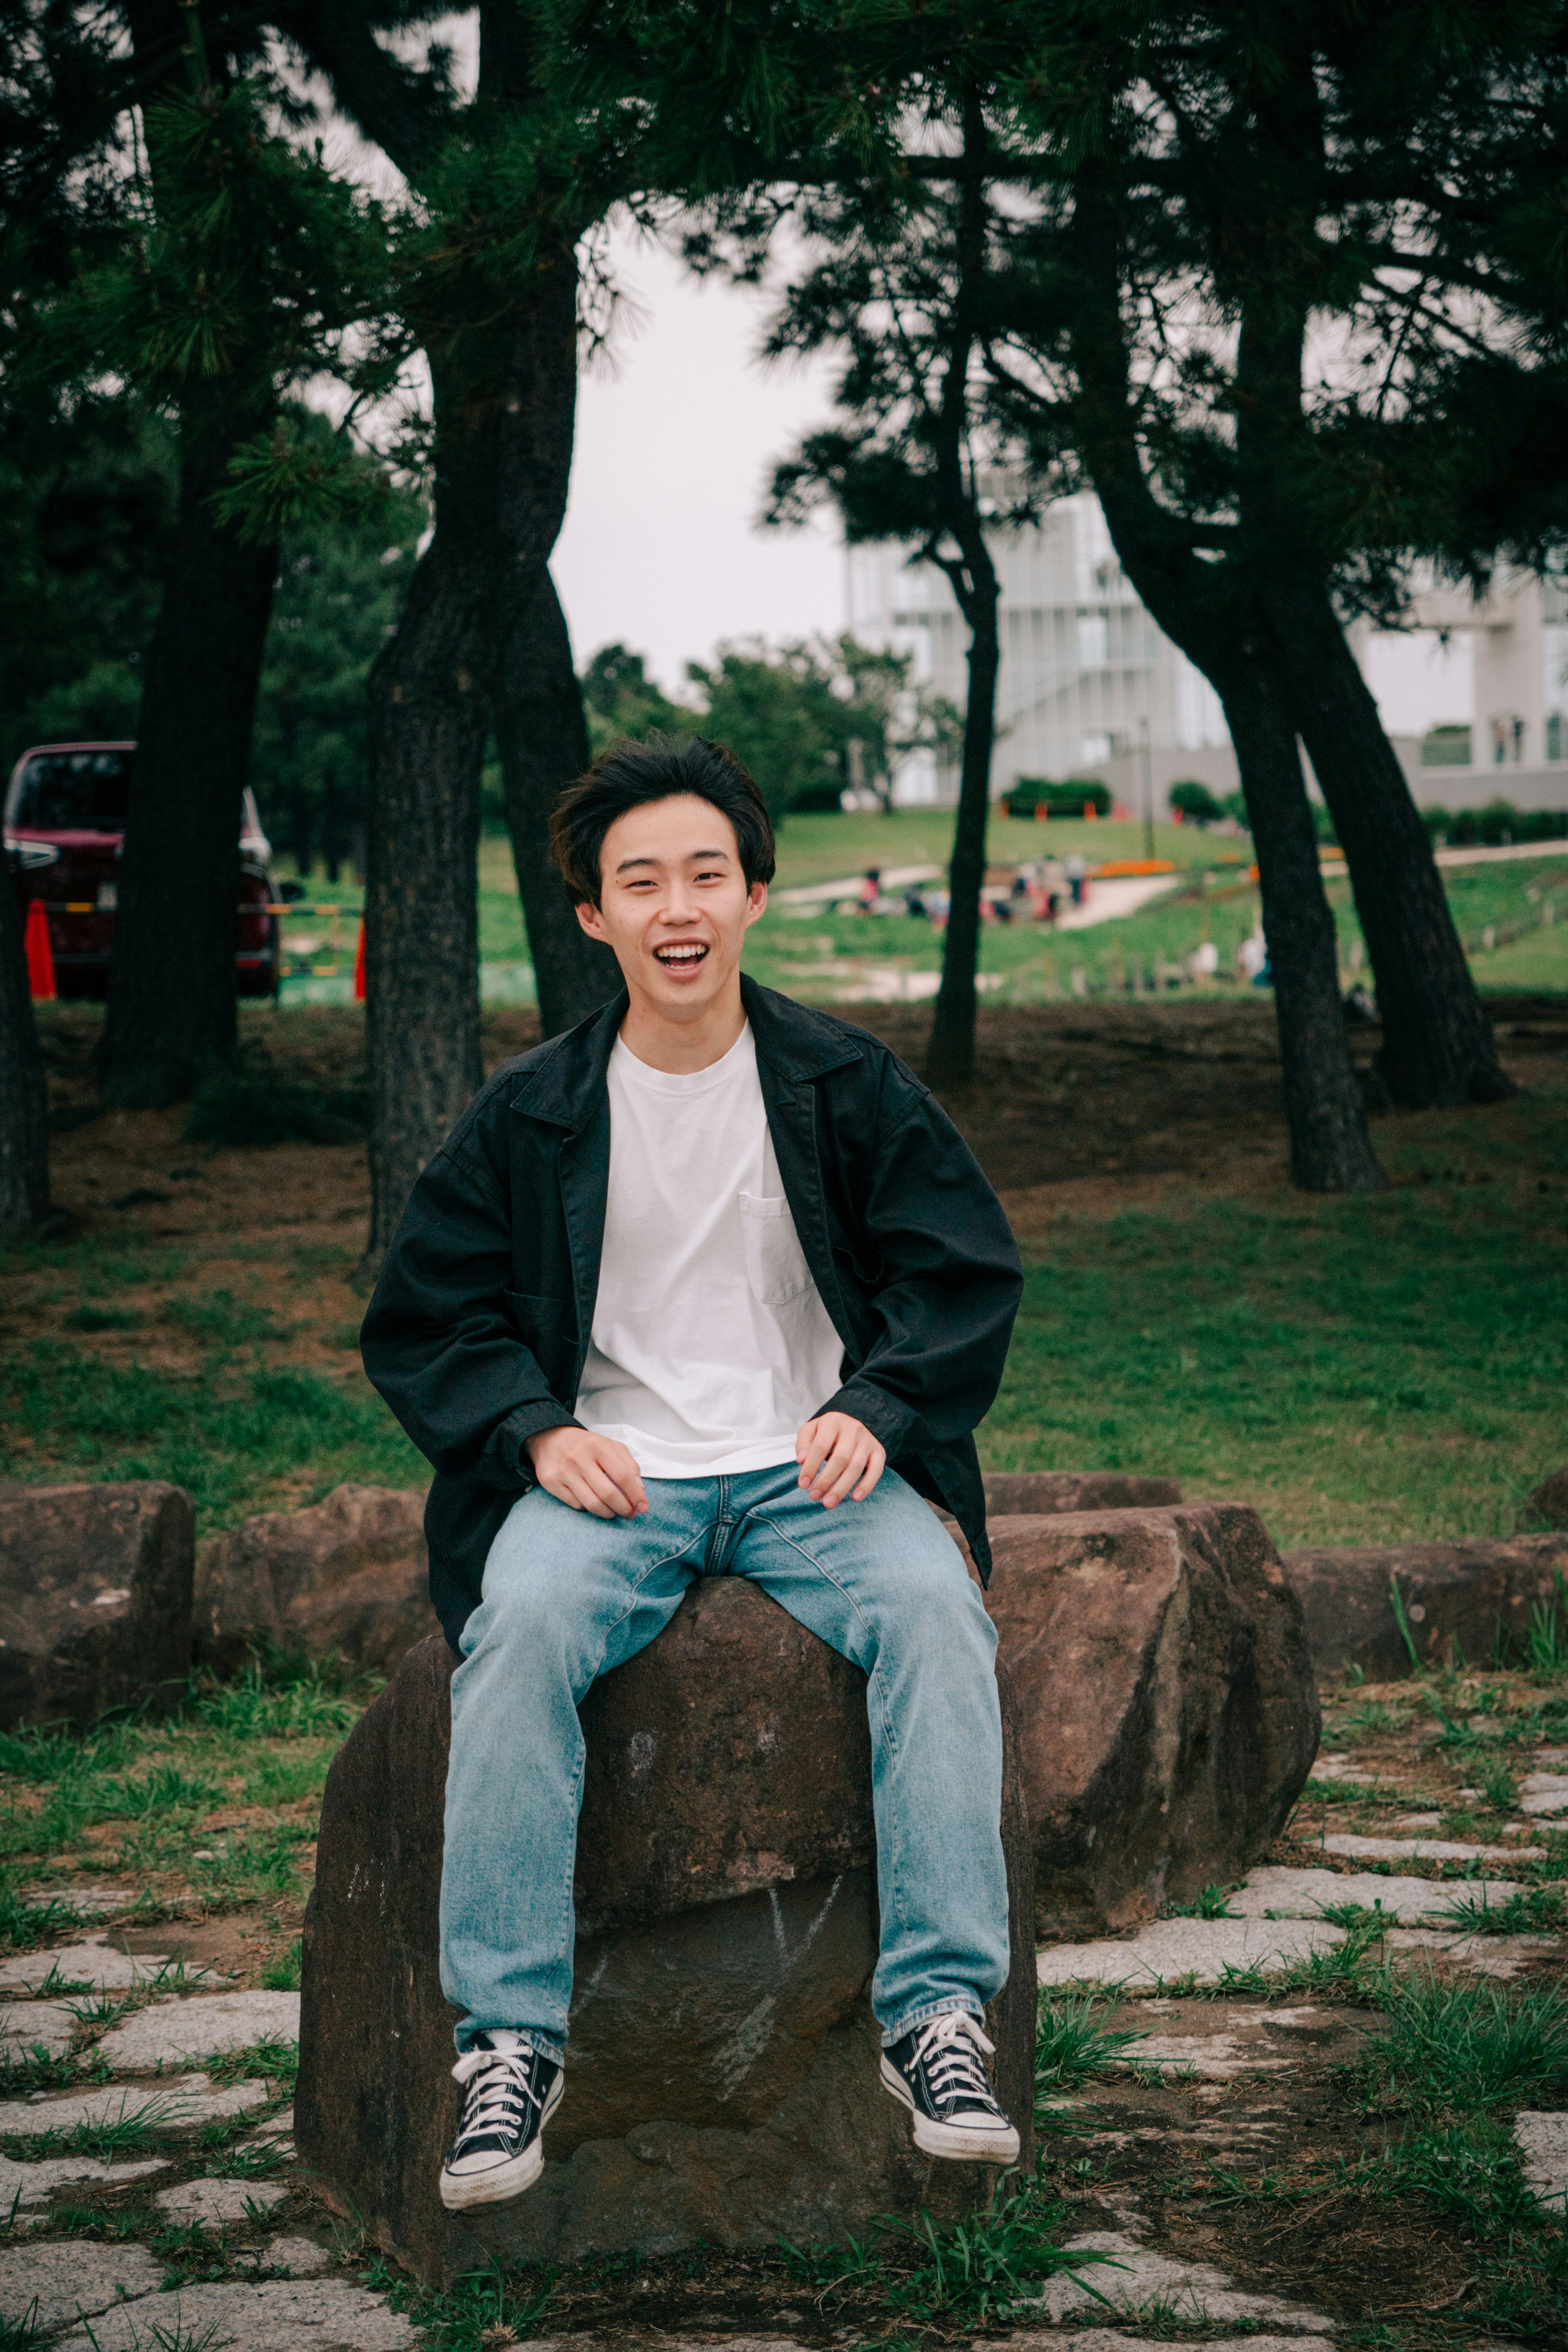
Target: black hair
628	776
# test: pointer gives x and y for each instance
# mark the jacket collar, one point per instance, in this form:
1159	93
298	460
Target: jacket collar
566	1084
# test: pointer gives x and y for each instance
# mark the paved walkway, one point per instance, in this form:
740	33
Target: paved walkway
211	2157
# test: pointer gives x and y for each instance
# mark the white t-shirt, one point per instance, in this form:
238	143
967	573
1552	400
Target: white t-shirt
710	1344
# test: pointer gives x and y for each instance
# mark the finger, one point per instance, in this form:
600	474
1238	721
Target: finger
873	1471
818	1446
847	1476
585	1499
623	1468
600	1481
847	1449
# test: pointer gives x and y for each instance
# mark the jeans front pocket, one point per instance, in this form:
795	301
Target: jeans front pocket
775	1263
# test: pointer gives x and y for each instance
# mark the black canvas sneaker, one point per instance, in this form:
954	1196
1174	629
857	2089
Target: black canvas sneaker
938	2072
510	2094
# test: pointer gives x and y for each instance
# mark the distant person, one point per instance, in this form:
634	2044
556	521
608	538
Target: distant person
914	904
1076	872
743	1326
871	889
1251	957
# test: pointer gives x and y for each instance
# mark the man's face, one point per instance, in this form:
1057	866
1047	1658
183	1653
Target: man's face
673	903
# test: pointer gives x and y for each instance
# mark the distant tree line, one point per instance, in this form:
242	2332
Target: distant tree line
1284	285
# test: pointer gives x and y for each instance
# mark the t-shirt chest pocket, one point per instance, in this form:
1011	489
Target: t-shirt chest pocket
776	1265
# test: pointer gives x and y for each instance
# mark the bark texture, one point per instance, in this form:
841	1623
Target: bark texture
482	641
24	1093
1210	612
171	967
950	1054
542	736
429	719
1438	1044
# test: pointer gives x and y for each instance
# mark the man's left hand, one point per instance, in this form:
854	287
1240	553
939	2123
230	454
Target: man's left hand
838	1456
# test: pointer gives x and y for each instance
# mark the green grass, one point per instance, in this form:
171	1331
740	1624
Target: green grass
1362	1370
226	1435
264	1740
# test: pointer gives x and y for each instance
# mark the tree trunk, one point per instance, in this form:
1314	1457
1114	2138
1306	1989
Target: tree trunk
1438	1044
171	967
542	732
950	1054
1331	1151
24	1096
542	737
429	717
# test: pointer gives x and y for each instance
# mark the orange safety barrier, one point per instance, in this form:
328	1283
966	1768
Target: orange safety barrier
360	965
41	958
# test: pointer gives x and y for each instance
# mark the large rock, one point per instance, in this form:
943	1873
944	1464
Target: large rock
1469	1598
1012	1491
1167	1703
347	1578
721	2078
1550	1501
95	1599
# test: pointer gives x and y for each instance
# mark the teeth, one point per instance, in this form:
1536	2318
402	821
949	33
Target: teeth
680	955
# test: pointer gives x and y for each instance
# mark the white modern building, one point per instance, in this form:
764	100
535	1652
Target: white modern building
1474	695
1084	670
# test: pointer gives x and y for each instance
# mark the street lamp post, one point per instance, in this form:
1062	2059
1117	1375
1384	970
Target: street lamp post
1148	788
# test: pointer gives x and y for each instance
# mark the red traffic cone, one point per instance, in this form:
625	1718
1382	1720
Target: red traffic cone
40	960
360	965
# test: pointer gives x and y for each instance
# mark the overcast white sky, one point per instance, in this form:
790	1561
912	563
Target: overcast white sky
674	443
677	429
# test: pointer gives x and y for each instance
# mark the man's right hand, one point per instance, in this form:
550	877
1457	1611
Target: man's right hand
590	1473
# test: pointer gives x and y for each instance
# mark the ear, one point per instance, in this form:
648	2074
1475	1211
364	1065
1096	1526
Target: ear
593	921
756	902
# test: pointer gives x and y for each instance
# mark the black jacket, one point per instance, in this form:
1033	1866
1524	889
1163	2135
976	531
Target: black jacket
480	1322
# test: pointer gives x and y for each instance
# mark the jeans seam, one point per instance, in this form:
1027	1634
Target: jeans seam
875	1680
568	1908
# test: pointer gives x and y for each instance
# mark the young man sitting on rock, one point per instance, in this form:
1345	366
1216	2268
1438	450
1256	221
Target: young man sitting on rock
707	1287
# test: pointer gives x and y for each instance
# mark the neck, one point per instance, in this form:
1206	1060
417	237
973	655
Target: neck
694	1042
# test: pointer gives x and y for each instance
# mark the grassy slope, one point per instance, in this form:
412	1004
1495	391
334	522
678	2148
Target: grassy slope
1364	1370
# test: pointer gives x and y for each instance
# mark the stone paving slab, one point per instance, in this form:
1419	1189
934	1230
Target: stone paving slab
1376	1849
178	2105
1543	1793
276	2315
298	2257
1178	1948
27	2025
202	2027
1197	2289
92	1962
85	1901
1543	2144
1106	2340
1302	1893
1489	1956
34	2184
71	2278
215	2204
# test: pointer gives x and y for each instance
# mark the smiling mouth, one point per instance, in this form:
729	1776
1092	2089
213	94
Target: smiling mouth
682	956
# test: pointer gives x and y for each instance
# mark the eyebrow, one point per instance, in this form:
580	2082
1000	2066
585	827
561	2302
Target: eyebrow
693	857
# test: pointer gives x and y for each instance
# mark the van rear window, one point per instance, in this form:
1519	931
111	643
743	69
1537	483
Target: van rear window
73	792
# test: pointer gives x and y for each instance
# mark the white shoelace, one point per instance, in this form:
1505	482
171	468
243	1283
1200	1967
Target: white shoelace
949	2048
498	2092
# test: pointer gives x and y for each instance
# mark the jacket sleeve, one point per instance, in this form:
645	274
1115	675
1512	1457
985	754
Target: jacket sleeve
948	1290
437	1339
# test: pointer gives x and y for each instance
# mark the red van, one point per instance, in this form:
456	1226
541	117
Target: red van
65	830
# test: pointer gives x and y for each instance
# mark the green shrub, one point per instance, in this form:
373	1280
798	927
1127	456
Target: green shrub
1197	803
1068	798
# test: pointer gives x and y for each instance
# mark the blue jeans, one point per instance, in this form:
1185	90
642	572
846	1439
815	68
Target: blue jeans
567	1596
